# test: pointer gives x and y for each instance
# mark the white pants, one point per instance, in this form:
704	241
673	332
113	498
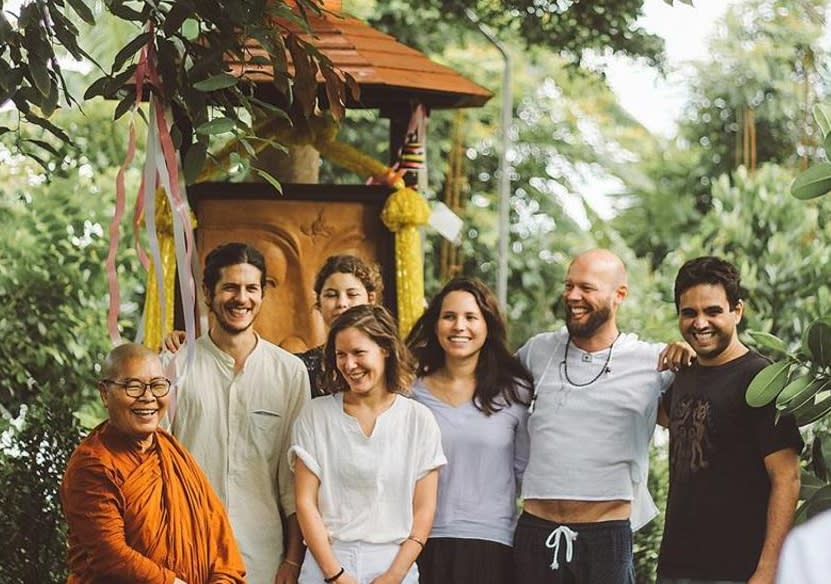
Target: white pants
364	561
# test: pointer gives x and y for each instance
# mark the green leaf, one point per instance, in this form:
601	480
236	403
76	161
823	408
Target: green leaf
194	161
82	10
817	341
40	75
820	501
48	126
121	10
810	483
813	409
269	179
823	119
129	50
768	341
50	104
125	104
175	18
97	87
67	33
118	81
221	81
767	384
812	183
798	392
6	30
217	126
43	145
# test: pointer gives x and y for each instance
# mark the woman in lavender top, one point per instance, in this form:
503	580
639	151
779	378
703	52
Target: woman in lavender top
478	392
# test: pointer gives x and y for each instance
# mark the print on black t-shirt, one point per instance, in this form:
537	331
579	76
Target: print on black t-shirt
691	445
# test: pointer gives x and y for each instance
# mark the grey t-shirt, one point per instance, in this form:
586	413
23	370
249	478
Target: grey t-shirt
486	458
590	442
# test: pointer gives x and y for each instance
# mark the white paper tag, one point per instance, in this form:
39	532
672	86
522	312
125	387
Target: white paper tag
446	222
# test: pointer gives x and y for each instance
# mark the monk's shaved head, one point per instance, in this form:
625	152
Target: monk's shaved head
604	263
114	362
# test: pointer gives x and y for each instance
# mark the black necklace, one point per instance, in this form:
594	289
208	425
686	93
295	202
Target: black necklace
604	369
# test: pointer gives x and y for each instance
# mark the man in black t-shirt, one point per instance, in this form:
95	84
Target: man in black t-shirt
734	470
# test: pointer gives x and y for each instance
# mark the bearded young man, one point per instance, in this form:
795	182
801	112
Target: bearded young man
734	469
234	412
592	417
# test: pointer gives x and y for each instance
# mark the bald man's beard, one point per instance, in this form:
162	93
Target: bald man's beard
597	317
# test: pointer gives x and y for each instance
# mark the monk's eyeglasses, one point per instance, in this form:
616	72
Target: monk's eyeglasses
159	386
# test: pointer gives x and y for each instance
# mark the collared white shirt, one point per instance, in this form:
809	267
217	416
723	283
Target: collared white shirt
238	427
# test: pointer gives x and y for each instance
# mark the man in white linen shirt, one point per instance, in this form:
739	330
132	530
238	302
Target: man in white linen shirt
592	417
235	409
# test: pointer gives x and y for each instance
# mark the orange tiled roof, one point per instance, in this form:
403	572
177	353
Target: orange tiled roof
388	72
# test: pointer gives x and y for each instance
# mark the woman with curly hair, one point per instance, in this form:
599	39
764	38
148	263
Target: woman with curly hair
342	282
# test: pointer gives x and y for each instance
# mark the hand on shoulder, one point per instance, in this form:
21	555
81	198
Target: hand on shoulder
675	356
174	341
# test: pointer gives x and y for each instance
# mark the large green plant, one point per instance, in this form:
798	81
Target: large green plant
799	382
777	242
567	28
34	450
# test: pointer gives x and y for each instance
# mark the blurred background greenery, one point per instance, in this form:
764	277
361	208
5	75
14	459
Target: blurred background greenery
719	186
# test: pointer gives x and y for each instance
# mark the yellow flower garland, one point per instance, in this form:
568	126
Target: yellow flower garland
403	213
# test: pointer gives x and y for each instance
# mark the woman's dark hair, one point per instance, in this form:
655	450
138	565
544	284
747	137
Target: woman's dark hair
498	373
231	254
349	264
376	323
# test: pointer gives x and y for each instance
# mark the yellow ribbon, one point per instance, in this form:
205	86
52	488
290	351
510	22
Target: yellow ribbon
154	328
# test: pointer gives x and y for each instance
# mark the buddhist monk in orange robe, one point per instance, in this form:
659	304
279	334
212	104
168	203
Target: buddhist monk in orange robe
138	507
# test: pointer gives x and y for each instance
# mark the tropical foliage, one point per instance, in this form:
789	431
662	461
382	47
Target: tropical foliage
719	188
188	48
53	331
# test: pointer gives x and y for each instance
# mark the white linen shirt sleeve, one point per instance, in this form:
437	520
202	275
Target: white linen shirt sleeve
303	444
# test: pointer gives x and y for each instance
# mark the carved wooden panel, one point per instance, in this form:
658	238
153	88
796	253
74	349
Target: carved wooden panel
295	232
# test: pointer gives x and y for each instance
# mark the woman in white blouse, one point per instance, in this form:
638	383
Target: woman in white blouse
366	459
478	392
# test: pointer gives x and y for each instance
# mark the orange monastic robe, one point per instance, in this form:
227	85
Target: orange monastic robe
145	517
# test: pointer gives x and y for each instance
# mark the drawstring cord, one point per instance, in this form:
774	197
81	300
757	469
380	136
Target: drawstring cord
556	535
